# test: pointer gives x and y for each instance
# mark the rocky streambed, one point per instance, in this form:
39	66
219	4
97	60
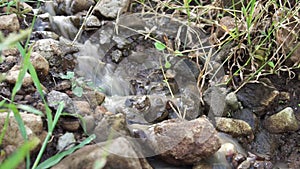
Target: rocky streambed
148	107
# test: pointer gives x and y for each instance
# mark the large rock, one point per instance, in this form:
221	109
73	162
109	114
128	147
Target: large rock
281	122
120	154
182	142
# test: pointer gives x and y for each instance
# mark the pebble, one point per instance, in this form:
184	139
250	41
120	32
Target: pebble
40	64
110	8
233	127
65	141
12	76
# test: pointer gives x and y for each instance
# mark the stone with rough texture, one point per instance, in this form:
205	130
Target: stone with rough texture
281	122
9	23
47	48
55	97
182	142
65	141
120	154
233	127
110	8
82	108
12	76
40	64
33	126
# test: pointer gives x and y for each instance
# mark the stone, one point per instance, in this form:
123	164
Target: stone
9	23
257	96
234	127
80	5
55	97
82	108
111	126
40	64
232	101
93	22
12	76
110	8
281	122
117	153
66	26
95	98
63	85
176	145
33	126
47	48
65	141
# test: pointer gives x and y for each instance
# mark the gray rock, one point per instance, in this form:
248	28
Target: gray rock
120	154
55	97
281	122
40	64
80	5
12	76
33	126
175	144
9	23
47	48
93	22
65	141
110	8
233	127
67	26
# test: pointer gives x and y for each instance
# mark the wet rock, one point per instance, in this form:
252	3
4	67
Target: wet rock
12	76
281	122
45	35
65	141
82	108
215	98
264	143
257	96
120	154
111	126
33	126
234	127
63	7
248	116
55	97
9	23
175	144
110	8
40	64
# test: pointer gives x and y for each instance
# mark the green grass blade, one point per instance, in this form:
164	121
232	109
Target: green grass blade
15	159
30	109
56	158
49	134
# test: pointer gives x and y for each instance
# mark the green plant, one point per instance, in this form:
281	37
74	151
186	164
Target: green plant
79	83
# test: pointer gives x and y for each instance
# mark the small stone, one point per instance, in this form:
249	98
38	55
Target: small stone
82	108
65	141
95	98
232	101
233	127
9	22
55	97
40	64
12	76
70	124
281	122
93	22
47	48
